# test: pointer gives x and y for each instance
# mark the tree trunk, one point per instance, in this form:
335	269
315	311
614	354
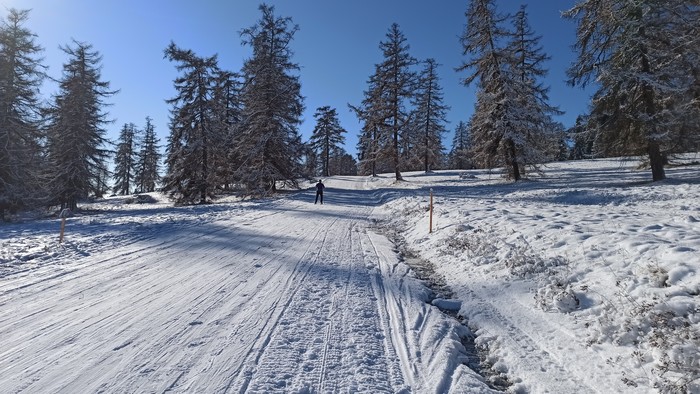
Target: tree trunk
513	160
656	160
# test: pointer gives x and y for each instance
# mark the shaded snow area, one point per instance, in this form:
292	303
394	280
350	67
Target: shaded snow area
583	280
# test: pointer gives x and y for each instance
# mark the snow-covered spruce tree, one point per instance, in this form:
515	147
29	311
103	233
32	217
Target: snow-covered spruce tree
429	118
125	160
190	175
461	146
581	137
342	163
494	120
538	137
643	55
21	75
398	84
268	142
77	146
373	114
227	116
327	136
148	161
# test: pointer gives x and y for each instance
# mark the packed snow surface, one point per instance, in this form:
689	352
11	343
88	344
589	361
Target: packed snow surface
581	280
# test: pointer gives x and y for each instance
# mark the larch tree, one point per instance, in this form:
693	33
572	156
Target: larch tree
429	118
148	160
493	121
537	136
125	160
643	56
398	83
21	75
190	175
268	143
461	146
227	118
373	114
77	146
327	136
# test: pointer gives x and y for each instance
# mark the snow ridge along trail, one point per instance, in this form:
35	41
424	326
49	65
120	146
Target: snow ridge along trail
287	297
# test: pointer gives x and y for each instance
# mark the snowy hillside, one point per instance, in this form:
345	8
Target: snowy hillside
586	277
585	280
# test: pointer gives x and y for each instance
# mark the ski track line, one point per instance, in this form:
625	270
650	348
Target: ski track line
257	349
92	279
392	318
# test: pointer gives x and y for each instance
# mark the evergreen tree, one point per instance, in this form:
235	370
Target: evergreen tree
643	55
268	142
429	117
227	115
343	163
582	138
494	119
125	160
190	161
147	168
538	138
21	75
373	113
77	147
461	146
327	136
397	82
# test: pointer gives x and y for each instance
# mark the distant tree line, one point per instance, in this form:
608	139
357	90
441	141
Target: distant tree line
240	130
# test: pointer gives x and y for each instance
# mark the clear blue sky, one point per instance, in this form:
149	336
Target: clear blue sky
336	47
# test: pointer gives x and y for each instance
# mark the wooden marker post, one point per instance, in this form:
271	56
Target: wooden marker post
431	209
64	214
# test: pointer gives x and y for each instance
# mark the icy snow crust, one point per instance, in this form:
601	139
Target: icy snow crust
584	280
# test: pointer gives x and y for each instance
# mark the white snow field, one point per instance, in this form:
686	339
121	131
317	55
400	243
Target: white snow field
584	280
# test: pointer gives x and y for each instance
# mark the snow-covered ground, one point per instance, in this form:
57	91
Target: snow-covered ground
585	280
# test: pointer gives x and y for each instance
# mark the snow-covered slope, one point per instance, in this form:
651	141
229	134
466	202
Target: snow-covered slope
585	280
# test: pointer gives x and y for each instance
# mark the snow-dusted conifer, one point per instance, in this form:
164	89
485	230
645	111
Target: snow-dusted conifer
77	146
496	109
21	75
327	136
125	160
461	146
429	118
148	164
537	136
227	115
190	173
643	55
268	142
373	113
398	84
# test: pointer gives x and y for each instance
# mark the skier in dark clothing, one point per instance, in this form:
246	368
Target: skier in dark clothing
319	191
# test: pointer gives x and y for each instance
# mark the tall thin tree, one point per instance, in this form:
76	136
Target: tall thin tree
327	136
430	117
268	142
190	176
77	146
147	168
21	75
125	160
398	82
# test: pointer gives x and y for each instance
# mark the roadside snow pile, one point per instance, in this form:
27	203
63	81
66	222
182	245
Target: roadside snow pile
591	269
